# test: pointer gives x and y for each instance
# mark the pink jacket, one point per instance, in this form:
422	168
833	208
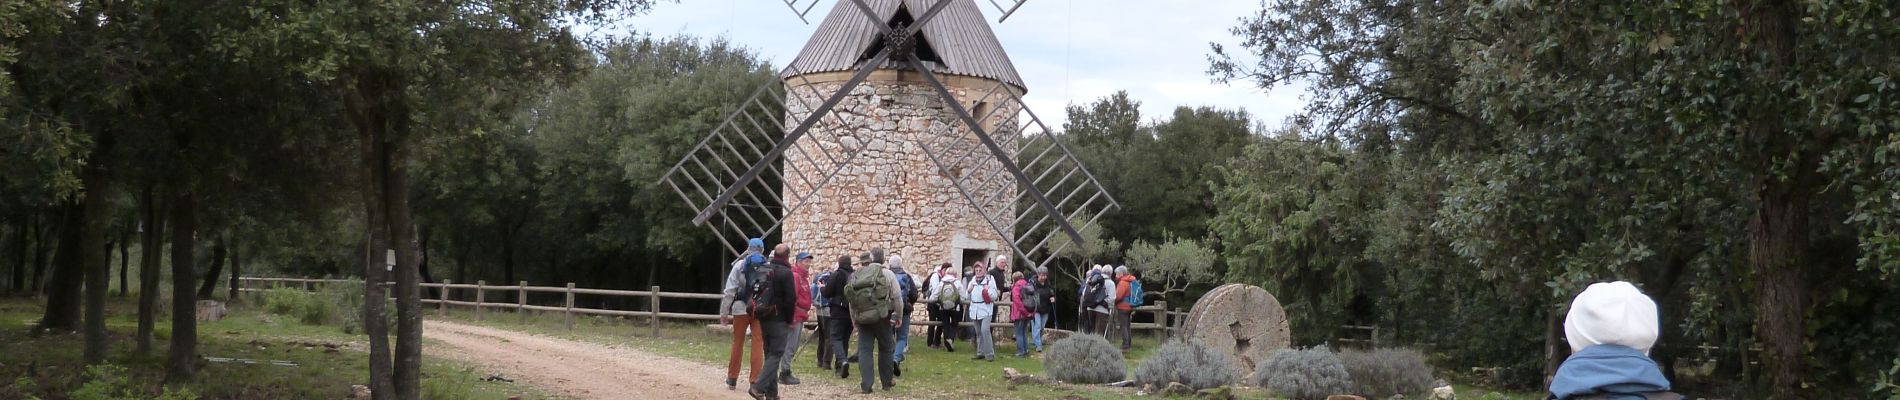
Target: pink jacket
801	279
1016	293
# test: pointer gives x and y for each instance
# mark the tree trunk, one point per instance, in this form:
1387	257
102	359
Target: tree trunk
1555	350
1777	239
125	259
19	256
181	359
63	290
368	100
1778	232
210	284
42	252
408	368
237	265
96	218
422	264
151	252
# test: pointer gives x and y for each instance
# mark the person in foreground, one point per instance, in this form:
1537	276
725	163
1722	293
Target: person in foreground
872	293
840	321
773	297
1611	327
733	311
801	275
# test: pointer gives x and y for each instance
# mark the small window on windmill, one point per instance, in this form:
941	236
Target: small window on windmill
921	48
981	111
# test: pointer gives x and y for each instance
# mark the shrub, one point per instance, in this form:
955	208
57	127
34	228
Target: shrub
108	382
300	304
1312	373
1084	359
1382	373
1187	362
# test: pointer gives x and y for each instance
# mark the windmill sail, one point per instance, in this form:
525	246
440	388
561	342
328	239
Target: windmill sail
777	153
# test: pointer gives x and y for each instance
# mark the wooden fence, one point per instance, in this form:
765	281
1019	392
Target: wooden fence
1166	321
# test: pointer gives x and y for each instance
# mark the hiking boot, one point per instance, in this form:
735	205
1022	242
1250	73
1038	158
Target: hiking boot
756	394
977	357
786	378
844	371
888	386
897	369
865	389
732	383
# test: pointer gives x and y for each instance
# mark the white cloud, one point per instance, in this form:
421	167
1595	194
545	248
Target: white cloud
1067	51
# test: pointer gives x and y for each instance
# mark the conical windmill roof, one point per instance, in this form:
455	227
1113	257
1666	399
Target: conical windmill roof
959	35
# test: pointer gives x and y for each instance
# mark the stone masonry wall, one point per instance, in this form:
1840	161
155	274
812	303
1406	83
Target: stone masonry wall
892	195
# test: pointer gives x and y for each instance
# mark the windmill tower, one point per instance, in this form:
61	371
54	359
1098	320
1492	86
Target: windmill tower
901	124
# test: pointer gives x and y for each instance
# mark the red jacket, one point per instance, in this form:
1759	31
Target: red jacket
1122	286
1017	292
801	279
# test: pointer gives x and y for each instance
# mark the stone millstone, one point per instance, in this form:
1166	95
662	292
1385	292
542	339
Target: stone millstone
1243	321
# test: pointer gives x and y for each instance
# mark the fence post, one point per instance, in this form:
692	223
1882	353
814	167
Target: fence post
568	319
442	303
653	307
480	290
521	302
1161	318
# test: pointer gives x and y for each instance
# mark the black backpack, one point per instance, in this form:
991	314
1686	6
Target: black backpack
765	295
1096	296
1031	301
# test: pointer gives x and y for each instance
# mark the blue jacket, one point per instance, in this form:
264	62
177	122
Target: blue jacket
817	298
1608	372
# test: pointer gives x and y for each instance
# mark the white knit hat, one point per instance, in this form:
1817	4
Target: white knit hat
1611	313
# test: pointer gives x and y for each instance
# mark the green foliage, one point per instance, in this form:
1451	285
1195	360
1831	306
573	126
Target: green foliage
1463	168
1293	219
1383	373
307	307
1187	362
1175	262
1084	359
108	382
1887	382
1304	374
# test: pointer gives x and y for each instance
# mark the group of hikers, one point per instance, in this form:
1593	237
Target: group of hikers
769	296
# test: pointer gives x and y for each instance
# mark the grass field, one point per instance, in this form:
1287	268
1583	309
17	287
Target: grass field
50	364
928	373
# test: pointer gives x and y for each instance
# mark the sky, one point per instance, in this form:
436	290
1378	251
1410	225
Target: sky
1067	51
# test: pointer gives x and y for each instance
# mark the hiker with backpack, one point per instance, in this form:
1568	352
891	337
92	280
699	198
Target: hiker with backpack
948	300
734	304
1127	297
840	321
772	297
821	307
982	297
963	291
801	270
907	293
932	337
1097	300
1045	306
1022	310
873	294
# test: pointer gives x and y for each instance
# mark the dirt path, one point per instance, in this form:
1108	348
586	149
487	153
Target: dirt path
593	371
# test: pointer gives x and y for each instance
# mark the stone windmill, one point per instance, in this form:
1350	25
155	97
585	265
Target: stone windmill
901	124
